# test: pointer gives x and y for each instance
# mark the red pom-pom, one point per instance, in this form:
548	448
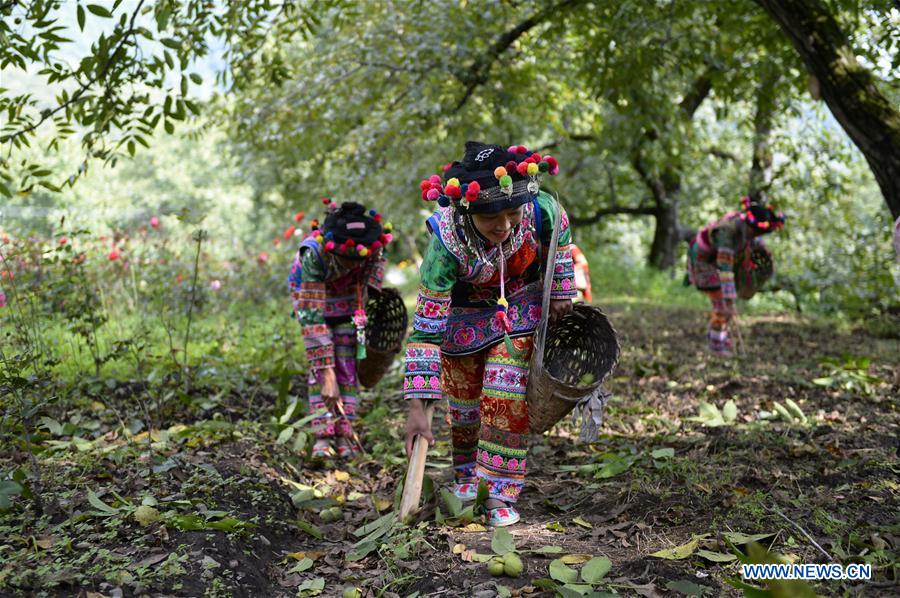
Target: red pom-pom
289	232
424	195
551	161
298	217
522	168
350	243
510	166
438	187
326	201
454	192
377	217
535	157
329	246
425	185
376	245
521	149
474	187
383	239
446	166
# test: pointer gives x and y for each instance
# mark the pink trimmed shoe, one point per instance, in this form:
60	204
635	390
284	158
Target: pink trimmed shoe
346	449
322	450
465	492
503	516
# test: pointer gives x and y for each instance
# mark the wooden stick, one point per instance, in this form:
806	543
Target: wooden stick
804	532
339	405
415	474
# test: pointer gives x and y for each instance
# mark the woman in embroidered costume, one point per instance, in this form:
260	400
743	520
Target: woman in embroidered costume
329	281
478	306
714	253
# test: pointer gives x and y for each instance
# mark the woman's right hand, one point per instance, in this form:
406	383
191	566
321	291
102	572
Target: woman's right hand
417	424
331	393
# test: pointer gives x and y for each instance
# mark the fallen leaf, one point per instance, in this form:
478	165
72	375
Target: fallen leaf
580	521
716	557
739	539
576	559
458	548
341	476
382	503
473	528
148	561
305	554
596	569
680	552
556	526
560	572
44	542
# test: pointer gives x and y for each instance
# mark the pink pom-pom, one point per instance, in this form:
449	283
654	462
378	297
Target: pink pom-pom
435	179
511	149
446	166
554	170
329	246
376	245
388	237
432	194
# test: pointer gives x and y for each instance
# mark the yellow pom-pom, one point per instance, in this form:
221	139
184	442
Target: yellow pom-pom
388	227
363	252
320	239
500	172
453	182
502	301
533	169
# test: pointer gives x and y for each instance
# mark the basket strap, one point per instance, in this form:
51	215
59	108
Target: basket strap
550	260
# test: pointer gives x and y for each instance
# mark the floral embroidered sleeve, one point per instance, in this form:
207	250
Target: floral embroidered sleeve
307	284
423	350
724	241
564	270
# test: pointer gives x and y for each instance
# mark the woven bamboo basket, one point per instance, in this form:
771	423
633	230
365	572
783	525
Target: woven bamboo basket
580	351
385	331
753	274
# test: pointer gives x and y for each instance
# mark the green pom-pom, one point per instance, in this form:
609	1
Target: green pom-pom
505	180
543	166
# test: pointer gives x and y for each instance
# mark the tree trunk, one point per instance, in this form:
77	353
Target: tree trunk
849	89
666	237
761	166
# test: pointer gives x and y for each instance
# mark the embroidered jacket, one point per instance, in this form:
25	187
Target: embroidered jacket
325	293
459	291
713	253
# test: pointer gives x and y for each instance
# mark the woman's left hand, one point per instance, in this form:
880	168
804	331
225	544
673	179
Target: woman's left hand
559	308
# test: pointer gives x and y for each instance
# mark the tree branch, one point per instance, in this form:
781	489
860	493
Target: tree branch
612	211
478	72
76	96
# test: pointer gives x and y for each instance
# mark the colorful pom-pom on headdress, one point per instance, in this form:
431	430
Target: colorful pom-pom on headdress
350	230
489	178
762	218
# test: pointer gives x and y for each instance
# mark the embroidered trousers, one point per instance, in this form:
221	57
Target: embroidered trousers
333	425
719	320
489	416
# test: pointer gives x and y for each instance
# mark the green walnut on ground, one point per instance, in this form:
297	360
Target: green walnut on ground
330	514
509	564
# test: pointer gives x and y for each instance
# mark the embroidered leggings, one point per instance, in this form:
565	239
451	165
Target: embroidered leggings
719	319
331	425
489	416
